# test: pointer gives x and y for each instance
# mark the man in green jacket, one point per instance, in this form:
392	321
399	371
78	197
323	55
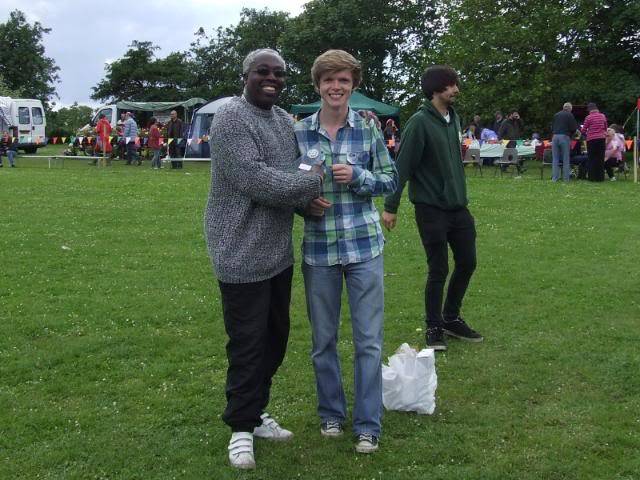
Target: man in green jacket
431	160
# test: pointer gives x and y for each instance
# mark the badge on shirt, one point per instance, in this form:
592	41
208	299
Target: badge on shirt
314	156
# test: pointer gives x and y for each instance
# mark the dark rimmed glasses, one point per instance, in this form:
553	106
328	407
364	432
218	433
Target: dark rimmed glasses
264	72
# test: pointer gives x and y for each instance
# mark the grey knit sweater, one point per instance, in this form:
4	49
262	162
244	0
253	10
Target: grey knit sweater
255	186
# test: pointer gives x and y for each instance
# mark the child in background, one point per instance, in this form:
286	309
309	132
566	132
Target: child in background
154	143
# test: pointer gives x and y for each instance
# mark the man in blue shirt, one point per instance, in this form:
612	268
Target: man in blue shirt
130	132
343	239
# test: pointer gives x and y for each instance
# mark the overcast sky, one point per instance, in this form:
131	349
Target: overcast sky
85	35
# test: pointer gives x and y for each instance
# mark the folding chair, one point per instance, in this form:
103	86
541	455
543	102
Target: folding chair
509	159
472	157
547	159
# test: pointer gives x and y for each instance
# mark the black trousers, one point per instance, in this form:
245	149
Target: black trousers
609	165
256	319
175	152
595	159
439	229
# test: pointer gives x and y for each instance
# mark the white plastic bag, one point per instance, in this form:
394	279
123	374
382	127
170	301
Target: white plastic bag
409	382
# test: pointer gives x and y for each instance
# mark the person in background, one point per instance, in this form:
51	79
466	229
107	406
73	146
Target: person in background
175	129
103	139
488	135
620	136
154	143
497	122
5	140
130	133
430	159
470	132
391	137
564	126
476	121
595	128
122	145
613	153
248	223
11	148
511	129
343	245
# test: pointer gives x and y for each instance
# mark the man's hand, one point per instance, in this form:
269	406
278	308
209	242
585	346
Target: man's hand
389	220
342	173
317	207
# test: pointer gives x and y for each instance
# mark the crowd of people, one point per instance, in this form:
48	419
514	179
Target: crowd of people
128	139
605	144
328	168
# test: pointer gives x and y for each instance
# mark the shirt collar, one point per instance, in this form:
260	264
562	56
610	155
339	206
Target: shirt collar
351	119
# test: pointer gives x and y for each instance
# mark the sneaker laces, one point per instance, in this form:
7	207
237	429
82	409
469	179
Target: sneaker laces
332	424
367	437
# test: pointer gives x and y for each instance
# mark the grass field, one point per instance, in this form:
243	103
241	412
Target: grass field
112	360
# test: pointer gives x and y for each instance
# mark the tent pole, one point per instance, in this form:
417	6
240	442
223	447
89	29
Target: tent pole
636	152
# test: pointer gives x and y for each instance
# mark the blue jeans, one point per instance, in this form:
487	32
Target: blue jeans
365	290
155	161
560	147
11	155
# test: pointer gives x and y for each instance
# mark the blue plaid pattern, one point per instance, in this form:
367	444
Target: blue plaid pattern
349	231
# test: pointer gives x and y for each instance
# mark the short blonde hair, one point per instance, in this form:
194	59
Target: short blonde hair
333	61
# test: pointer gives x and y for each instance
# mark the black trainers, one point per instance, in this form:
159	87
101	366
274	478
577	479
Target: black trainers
459	329
435	339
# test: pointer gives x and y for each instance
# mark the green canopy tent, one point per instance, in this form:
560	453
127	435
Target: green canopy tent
357	101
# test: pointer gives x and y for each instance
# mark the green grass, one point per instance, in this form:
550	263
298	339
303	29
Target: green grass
112	360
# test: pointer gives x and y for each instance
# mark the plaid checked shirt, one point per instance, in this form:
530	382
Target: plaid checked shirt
349	231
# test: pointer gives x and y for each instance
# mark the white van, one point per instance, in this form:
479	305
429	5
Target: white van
27	115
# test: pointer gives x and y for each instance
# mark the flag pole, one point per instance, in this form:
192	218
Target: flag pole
635	143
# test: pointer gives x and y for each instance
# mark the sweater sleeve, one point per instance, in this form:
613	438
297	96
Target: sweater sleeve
411	150
235	154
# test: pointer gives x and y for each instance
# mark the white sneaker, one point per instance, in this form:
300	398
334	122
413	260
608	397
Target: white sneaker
241	450
271	430
613	179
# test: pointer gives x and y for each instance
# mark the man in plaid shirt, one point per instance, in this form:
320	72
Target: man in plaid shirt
343	239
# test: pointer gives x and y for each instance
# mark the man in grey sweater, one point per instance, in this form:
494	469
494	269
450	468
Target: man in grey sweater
255	188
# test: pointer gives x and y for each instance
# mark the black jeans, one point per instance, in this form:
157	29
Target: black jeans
256	319
595	159
439	229
609	165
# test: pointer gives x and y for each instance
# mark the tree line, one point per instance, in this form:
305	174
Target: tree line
530	56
